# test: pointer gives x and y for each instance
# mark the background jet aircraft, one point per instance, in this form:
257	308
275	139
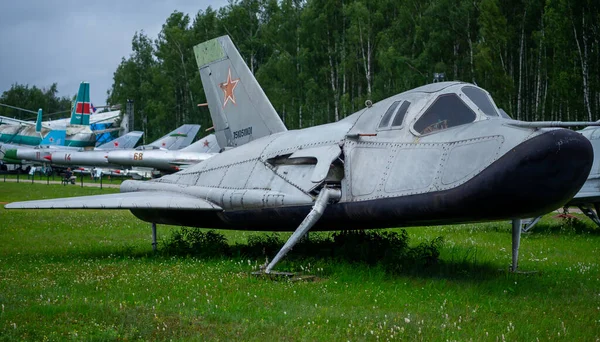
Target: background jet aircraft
43	153
437	154
178	138
77	132
588	198
166	160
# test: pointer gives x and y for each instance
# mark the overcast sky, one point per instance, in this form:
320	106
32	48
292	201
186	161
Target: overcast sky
70	41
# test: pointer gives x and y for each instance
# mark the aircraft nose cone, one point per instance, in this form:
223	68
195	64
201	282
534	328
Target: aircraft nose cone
11	154
540	174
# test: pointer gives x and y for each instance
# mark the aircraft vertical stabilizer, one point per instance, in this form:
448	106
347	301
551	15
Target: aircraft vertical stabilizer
239	108
38	122
80	114
179	138
56	137
208	144
126	141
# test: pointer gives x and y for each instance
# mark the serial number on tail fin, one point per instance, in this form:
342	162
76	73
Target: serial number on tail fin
242	132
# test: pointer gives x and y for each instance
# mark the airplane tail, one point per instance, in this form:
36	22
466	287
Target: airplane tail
126	141
208	144
80	114
55	137
179	138
239	108
38	122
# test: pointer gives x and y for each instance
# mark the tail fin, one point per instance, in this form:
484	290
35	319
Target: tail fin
38	122
208	144
80	114
126	141
239	108
55	137
179	138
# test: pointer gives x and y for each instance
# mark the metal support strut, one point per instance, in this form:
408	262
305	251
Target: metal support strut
154	236
528	224
317	210
589	212
516	241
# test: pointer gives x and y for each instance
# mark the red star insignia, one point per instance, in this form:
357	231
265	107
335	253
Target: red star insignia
164	144
228	87
51	139
116	143
205	143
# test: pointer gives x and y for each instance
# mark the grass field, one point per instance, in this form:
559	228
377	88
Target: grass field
24	178
91	275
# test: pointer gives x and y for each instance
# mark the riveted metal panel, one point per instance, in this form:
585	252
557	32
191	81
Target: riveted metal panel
275	200
237	175
370	158
325	155
187	179
466	159
261	177
211	178
208	52
298	175
413	169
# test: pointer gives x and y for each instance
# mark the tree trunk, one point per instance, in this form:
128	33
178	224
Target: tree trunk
333	79
583	58
366	58
470	50
539	76
519	95
187	82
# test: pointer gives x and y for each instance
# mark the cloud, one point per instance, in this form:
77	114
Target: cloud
67	42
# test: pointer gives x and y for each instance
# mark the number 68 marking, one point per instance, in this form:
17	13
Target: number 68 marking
138	156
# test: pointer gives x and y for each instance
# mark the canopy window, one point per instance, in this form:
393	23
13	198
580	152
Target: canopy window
447	111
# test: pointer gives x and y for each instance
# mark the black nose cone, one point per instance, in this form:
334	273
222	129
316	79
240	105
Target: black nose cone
538	175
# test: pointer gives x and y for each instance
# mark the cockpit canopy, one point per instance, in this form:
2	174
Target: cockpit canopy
147	147
448	110
450	106
398	110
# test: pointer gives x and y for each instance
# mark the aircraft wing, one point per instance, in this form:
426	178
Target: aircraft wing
127	200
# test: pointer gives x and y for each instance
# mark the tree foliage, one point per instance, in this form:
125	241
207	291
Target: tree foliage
319	60
33	98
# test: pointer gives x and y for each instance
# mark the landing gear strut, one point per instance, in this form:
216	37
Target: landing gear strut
153	236
516	241
309	221
589	212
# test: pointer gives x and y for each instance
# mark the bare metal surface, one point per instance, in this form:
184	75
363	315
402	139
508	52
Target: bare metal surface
540	124
317	210
154	236
516	242
132	200
528	224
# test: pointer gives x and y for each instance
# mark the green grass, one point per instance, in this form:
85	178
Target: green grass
91	275
86	178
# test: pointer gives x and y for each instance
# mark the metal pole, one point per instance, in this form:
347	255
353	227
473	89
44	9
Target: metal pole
516	242
153	236
47	179
18	176
101	175
81	173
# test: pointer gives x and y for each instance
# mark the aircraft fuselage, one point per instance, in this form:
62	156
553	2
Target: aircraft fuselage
404	175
